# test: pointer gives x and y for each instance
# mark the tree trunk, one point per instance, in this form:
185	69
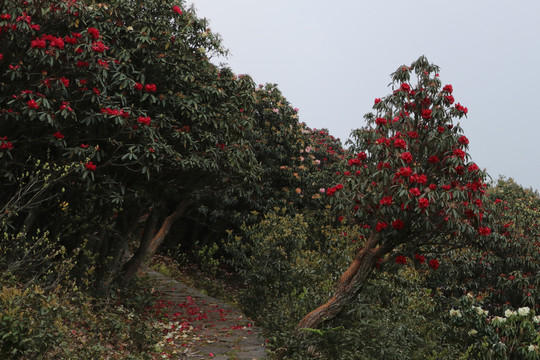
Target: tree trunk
149	245
166	227
349	286
131	267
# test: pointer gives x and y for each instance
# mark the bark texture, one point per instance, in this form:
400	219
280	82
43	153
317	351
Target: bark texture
349	285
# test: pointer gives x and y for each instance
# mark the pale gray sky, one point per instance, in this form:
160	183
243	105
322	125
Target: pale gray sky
331	60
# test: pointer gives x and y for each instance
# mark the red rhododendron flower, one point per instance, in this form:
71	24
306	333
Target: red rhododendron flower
484	231
380	121
420	258
412	134
82	64
84	146
64	81
423	203
38	44
398	224
98	46
32	104
462	108
400	259
96	90
58	135
144	120
473	167
418	178
387	200
90	166
362	155
426	114
94	33
138	86
405	171
406	156
5	144
405	87
449	98
177	9
448	88
150	88
378	100
414	192
433	159
459	153
434	264
400	143
380	226
463	140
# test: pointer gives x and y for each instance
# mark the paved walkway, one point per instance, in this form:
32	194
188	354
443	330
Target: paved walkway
197	326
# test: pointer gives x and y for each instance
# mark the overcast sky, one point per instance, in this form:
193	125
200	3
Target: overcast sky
332	59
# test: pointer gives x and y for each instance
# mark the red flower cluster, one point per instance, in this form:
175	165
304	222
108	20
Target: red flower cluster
414	192
144	120
331	191
400	259
380	121
400	143
32	104
99	47
406	156
418	178
426	114
90	166
463	140
58	135
420	258
448	89
177	9
387	200
94	33
434	264
5	144
150	88
423	203
116	112
433	159
461	108
381	226
484	231
398	224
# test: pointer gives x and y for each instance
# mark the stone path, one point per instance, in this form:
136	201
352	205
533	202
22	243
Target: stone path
197	326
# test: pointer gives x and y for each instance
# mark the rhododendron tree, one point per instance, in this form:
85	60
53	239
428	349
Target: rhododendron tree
125	93
410	183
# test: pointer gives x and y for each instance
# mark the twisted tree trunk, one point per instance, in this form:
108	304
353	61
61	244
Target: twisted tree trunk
349	286
166	227
149	244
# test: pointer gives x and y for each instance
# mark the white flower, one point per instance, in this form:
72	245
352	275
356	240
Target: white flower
532	347
473	332
509	313
455	313
498	320
480	311
536	319
524	311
